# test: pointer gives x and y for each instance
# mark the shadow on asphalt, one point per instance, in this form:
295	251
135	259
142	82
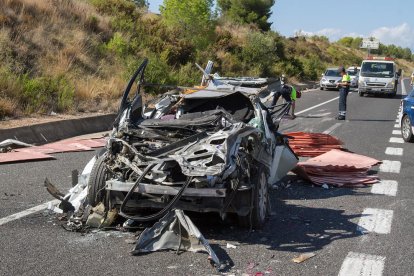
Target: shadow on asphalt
291	227
369	120
396	97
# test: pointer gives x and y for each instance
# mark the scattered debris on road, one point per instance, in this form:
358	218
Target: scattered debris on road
177	232
338	168
303	257
213	148
10	144
307	144
232	246
43	152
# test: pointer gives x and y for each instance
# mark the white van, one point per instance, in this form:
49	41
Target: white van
378	75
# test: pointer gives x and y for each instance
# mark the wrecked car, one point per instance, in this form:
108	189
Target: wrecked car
213	148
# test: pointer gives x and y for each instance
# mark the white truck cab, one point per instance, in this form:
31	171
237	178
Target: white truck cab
378	75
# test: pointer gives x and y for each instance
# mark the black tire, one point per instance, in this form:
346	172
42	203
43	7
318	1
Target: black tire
261	204
393	94
406	129
361	94
96	183
322	88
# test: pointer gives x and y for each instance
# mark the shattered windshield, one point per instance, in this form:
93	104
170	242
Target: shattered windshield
377	69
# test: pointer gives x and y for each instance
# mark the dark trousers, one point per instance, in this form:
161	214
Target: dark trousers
285	95
343	94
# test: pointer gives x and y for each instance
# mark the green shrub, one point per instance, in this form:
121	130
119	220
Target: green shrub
118	45
259	53
45	94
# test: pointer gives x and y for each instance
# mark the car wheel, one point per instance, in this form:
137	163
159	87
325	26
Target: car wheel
322	88
361	94
260	206
406	130
96	183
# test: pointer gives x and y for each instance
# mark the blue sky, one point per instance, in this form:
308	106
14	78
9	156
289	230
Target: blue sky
391	21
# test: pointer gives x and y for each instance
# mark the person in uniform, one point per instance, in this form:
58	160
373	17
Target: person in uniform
343	93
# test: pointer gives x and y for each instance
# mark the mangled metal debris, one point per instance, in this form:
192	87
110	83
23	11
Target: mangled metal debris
213	148
10	144
175	231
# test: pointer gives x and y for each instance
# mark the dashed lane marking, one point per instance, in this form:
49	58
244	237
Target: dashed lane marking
396	126
362	265
403	89
389	166
332	128
375	220
385	187
396	140
315	106
396	132
27	212
394	151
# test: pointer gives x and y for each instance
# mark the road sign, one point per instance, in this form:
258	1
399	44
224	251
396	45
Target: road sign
370	43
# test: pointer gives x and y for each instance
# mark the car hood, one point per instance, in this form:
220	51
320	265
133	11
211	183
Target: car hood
332	78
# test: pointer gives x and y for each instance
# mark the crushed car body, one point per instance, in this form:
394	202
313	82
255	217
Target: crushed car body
213	148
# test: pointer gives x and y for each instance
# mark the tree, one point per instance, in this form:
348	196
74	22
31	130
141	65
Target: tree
191	16
247	11
191	19
346	41
141	3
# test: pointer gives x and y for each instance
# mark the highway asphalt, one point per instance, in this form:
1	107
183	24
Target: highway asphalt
305	218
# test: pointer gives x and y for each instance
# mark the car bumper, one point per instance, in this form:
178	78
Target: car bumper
376	90
328	85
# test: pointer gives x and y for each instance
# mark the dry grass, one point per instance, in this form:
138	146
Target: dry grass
7	107
57	38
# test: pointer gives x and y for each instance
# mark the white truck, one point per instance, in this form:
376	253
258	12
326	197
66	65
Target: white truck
378	75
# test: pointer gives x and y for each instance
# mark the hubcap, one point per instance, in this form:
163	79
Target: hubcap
406	127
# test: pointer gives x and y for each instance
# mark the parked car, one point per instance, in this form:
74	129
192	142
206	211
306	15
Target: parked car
210	149
407	117
330	79
353	72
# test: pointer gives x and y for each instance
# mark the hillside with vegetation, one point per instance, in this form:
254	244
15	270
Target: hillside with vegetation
70	56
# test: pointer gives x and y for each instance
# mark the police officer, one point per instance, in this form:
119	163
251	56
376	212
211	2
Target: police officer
343	93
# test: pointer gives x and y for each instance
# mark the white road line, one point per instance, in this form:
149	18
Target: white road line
385	187
394	151
362	265
27	212
396	140
375	220
396	126
390	166
396	132
332	128
315	106
397	120
403	89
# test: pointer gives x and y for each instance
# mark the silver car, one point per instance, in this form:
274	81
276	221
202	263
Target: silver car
330	79
353	72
